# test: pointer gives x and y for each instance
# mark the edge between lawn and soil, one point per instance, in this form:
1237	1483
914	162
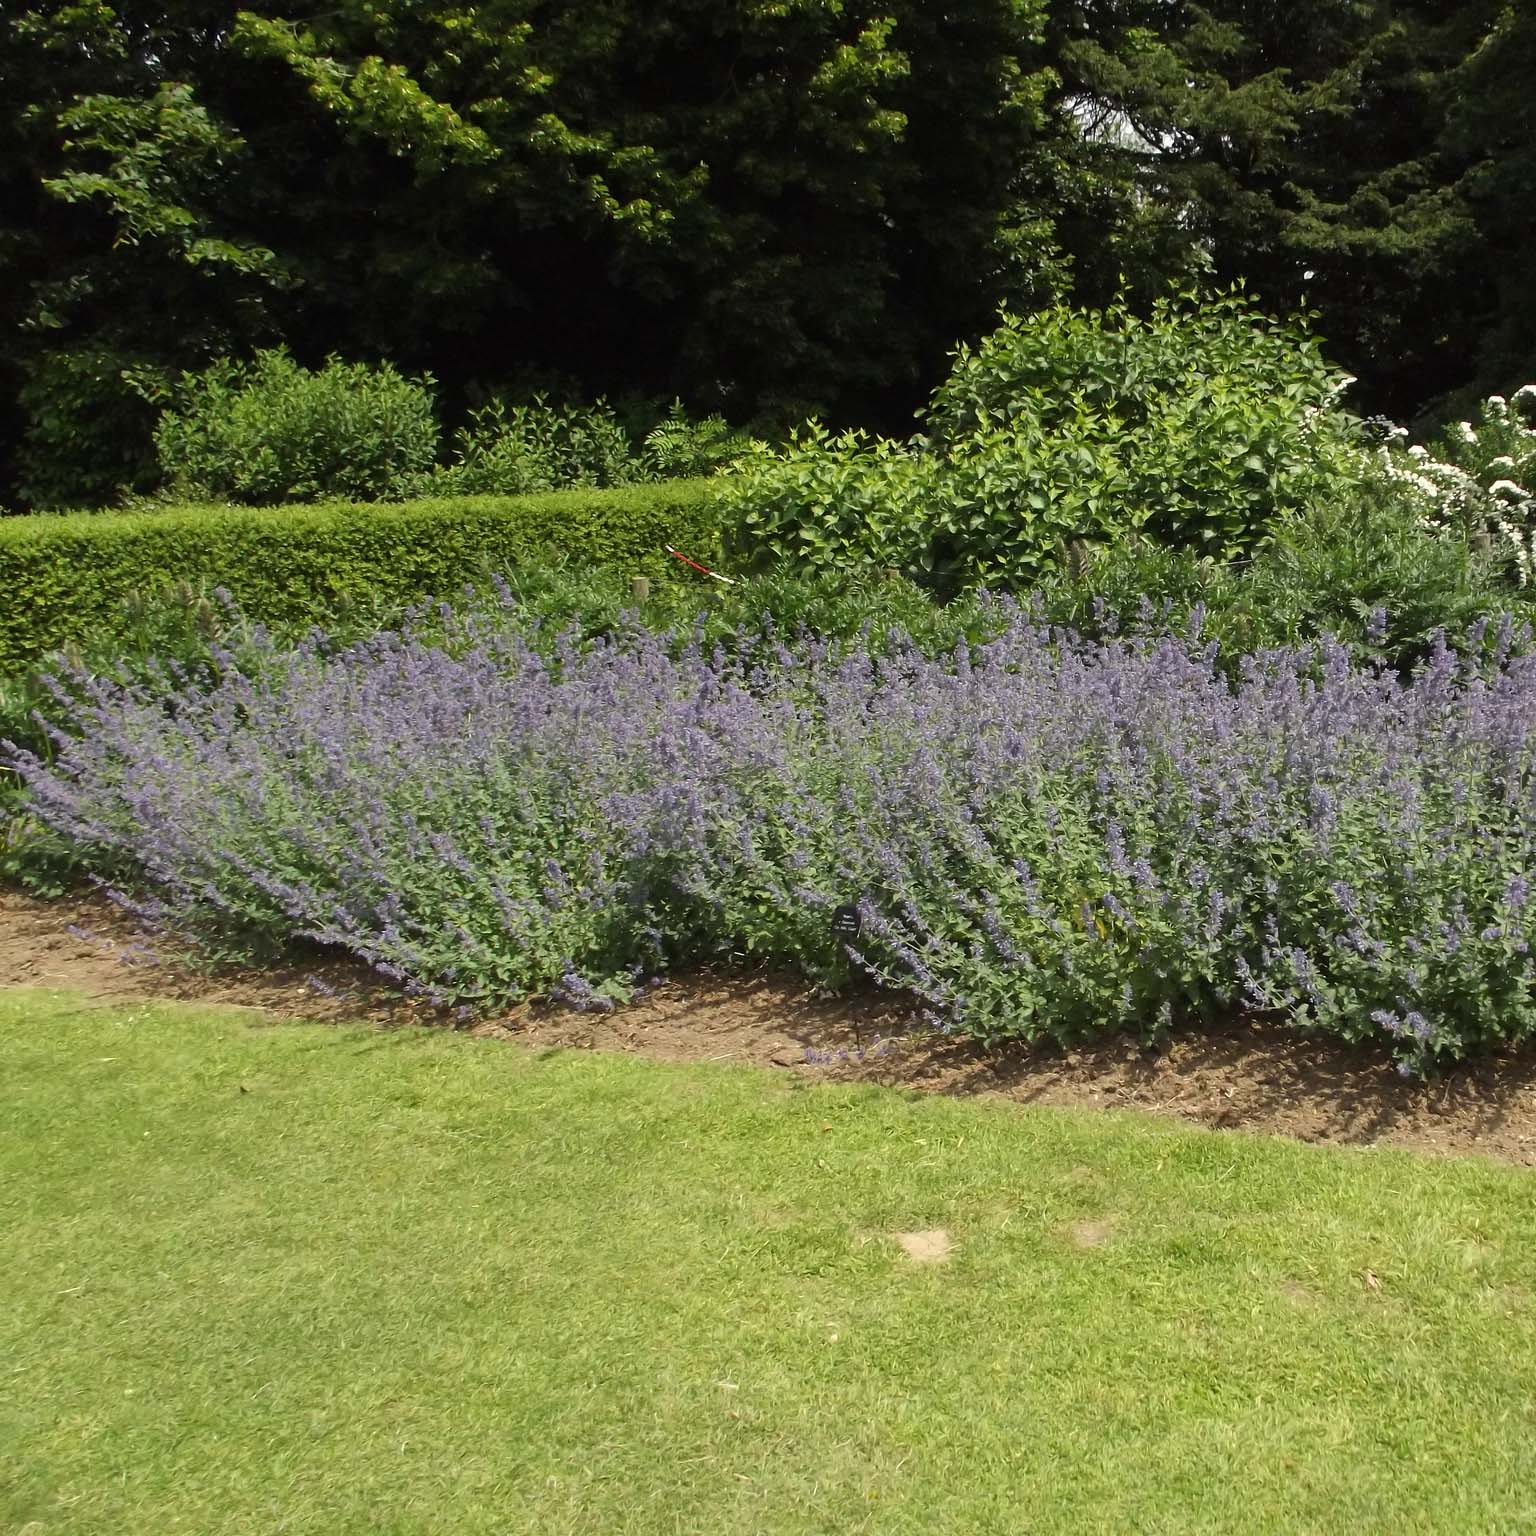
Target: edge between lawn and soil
1254	1077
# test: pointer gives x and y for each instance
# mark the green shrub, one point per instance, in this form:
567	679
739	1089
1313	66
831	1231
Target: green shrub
272	431
510	450
1364	568
678	447
833	502
1199	426
1105	589
67	577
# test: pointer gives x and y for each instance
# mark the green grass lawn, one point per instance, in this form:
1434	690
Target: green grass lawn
301	1279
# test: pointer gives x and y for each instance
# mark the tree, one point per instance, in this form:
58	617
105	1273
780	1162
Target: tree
124	255
767	206
1304	151
1492	131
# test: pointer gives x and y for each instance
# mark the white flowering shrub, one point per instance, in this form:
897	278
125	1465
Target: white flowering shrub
1480	478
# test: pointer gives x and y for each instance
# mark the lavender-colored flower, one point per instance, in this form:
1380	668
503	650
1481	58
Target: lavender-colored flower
507	811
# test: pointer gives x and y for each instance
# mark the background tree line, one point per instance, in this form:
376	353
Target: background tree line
766	207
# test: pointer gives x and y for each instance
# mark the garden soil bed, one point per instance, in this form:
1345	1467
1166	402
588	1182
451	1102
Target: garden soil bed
1247	1076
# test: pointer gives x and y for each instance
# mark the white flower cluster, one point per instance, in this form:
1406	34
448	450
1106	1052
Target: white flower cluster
1489	487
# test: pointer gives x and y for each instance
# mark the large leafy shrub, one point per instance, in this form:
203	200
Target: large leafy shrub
67	577
1199	426
833	502
272	431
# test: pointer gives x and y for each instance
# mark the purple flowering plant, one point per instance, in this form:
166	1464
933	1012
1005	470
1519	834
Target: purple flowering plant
1045	836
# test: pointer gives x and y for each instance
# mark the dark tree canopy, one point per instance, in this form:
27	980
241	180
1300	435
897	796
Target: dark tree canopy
1311	151
1492	133
773	205
766	207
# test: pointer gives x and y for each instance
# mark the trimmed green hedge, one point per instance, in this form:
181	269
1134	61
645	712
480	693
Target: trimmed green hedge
65	577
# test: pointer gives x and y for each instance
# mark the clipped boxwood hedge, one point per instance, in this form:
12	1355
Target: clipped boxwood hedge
65	577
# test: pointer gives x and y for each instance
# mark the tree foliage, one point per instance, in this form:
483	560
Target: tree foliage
767	206
1336	156
1492	131
763	208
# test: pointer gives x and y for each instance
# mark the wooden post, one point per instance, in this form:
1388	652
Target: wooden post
640	588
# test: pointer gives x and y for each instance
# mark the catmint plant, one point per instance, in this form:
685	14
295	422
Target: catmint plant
1042	835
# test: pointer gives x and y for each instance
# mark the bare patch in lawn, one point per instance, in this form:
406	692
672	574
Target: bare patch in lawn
93	946
933	1246
1090	1234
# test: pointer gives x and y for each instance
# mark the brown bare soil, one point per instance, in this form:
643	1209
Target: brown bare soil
933	1246
1255	1077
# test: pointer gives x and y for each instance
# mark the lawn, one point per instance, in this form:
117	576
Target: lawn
272	1278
